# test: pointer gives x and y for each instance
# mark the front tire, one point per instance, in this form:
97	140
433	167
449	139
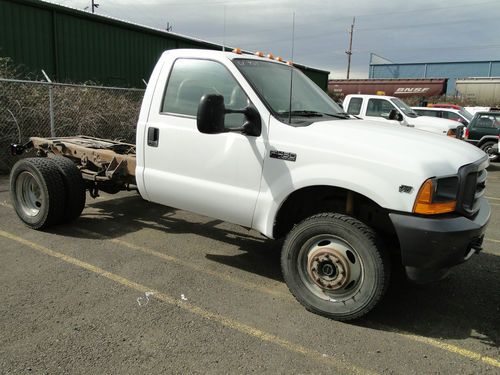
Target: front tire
334	266
37	192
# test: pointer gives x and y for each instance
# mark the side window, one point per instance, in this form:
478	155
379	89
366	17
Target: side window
425	112
379	108
354	106
451	116
190	79
485	122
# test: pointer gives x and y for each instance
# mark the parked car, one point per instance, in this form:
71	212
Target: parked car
392	110
454	114
483	131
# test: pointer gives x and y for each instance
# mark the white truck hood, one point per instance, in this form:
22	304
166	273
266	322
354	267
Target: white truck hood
428	122
424	153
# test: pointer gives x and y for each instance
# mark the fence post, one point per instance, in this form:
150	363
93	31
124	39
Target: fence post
51	106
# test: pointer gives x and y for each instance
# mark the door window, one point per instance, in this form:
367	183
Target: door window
379	108
427	112
190	79
451	116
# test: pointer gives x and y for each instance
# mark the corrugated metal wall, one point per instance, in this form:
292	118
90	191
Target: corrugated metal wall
76	46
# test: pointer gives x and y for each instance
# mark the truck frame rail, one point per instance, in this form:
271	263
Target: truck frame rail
105	164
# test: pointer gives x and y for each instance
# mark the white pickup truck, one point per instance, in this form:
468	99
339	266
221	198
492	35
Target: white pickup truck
220	135
389	109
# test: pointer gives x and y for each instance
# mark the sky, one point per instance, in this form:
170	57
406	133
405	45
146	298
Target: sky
398	30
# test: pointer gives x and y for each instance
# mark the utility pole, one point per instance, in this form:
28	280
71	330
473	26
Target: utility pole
349	51
94	6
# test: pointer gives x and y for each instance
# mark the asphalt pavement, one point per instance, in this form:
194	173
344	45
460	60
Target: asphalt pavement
137	288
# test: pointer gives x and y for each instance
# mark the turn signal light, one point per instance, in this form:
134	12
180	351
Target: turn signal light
424	205
289	62
237	51
270	56
279	58
259	53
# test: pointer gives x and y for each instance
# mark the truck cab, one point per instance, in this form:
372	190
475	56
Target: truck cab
389	109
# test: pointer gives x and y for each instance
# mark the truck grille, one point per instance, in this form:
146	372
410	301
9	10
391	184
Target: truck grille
472	186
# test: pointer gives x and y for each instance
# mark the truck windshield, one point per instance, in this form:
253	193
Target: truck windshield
272	83
405	108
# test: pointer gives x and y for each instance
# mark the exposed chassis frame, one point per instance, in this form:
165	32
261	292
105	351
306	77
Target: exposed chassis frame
105	164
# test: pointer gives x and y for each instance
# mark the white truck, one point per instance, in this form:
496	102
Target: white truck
392	110
219	134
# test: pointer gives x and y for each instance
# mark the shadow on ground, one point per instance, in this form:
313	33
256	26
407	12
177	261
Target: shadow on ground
466	304
117	217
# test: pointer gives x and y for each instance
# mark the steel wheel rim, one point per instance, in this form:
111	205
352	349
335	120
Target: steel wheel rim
29	193
336	264
489	152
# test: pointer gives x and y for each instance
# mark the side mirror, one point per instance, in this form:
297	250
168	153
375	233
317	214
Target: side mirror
211	112
210	117
395	115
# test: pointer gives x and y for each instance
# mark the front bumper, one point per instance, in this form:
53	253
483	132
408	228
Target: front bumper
430	246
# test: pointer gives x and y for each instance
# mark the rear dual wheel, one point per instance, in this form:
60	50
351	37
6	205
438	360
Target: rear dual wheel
334	266
46	191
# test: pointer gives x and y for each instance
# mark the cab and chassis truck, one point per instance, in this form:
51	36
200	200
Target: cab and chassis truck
252	141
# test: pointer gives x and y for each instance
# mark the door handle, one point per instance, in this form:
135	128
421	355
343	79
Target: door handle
153	137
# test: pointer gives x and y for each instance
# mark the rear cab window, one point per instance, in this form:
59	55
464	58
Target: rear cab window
354	107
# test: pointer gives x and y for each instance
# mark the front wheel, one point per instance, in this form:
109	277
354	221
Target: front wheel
334	266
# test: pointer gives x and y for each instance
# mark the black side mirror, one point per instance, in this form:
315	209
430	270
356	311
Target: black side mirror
211	112
395	115
210	117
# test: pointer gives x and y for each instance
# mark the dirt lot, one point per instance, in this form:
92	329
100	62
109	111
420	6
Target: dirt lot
133	287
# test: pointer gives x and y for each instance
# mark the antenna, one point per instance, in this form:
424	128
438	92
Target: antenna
291	71
224	33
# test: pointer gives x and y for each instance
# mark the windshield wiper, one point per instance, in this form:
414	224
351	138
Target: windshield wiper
307	113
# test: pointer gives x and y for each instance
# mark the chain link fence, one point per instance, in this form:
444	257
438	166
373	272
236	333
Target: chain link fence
42	109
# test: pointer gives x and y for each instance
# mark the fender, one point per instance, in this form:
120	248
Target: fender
366	182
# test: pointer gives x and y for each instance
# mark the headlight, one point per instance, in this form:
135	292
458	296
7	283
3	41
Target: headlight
437	196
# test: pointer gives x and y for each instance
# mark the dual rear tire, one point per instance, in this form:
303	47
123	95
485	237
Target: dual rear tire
47	191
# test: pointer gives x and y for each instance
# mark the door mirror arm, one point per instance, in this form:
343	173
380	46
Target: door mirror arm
252	125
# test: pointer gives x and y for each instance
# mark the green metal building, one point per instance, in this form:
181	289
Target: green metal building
77	46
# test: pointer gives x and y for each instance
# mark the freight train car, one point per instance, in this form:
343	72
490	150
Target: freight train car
483	91
403	88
